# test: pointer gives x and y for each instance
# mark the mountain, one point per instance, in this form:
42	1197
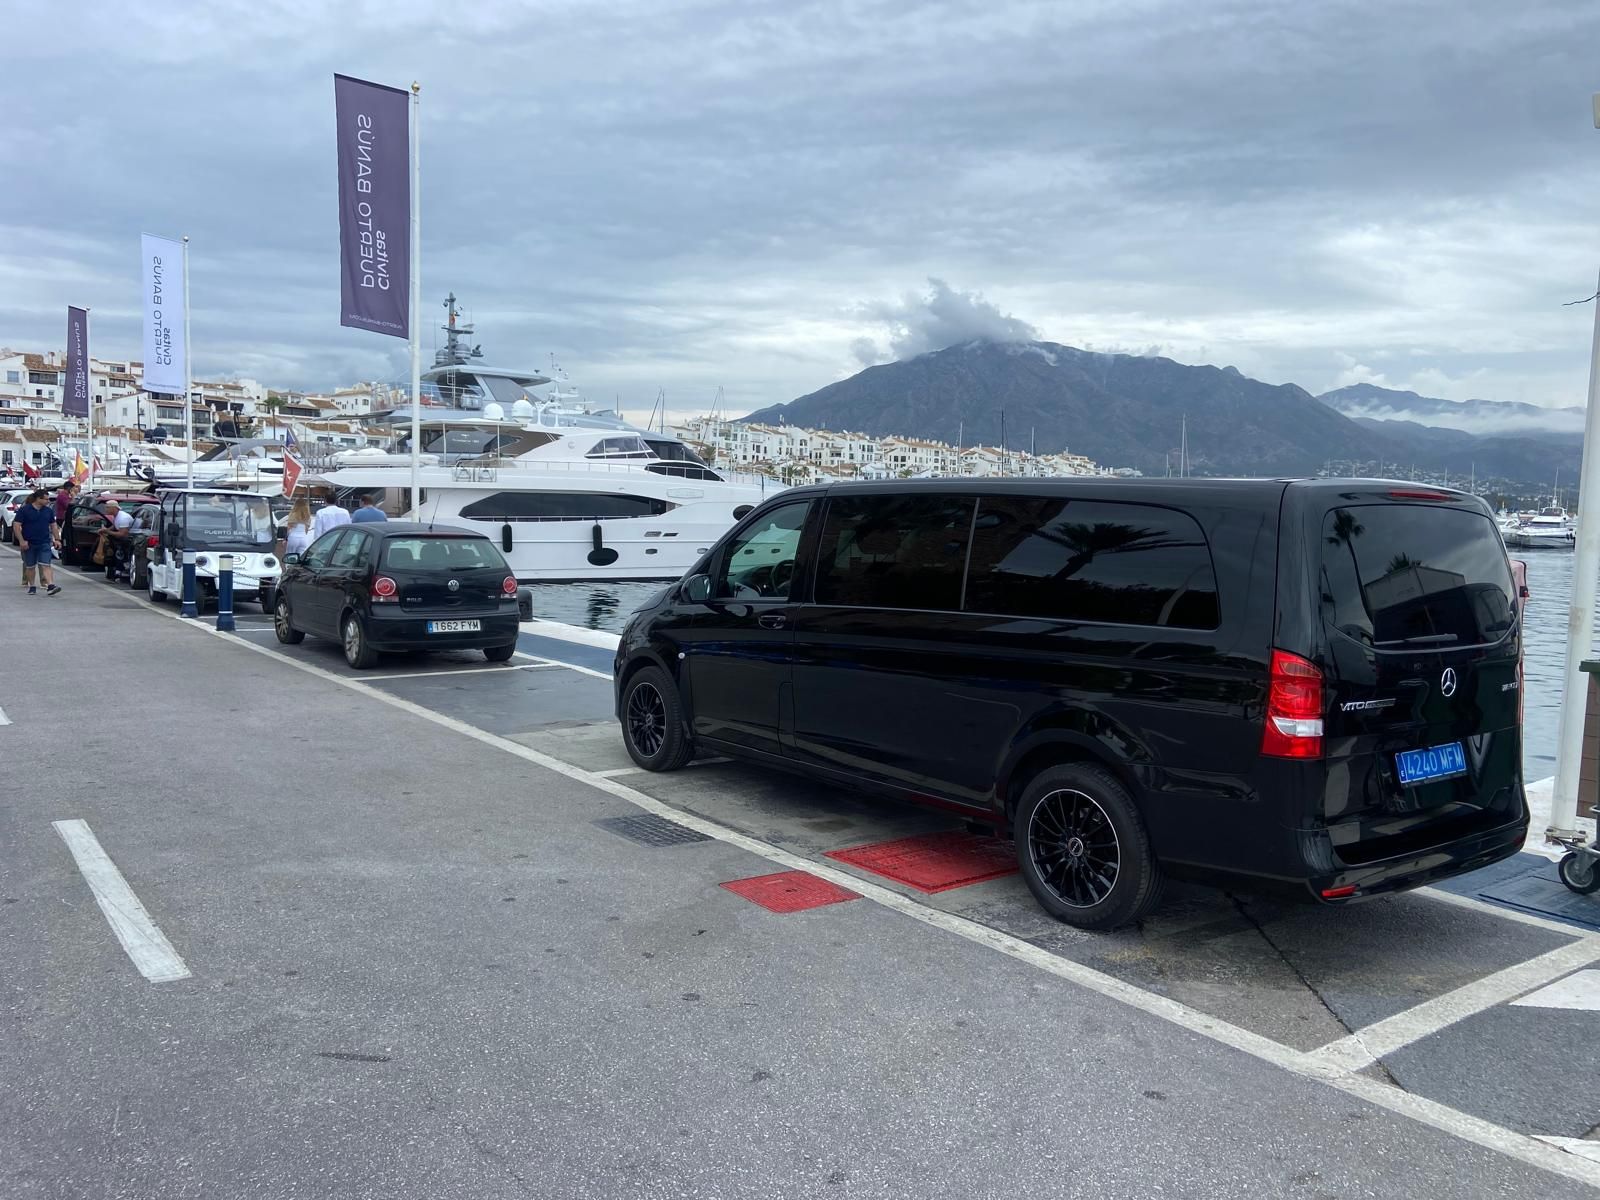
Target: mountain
1484	417
1119	409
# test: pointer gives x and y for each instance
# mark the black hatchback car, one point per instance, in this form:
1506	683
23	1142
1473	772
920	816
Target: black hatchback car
1311	685
400	585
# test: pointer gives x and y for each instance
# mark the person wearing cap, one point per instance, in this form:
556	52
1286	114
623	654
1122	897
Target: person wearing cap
38	535
113	550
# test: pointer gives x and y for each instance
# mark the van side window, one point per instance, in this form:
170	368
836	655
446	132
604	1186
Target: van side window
1090	560
759	563
894	551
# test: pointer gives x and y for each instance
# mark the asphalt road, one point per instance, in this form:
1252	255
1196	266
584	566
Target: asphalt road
419	968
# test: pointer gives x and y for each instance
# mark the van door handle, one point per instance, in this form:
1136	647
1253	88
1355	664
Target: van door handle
771	620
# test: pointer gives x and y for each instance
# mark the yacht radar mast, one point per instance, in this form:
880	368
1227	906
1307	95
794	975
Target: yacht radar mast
455	353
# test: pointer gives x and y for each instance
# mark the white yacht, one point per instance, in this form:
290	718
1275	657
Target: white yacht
1548	529
567	492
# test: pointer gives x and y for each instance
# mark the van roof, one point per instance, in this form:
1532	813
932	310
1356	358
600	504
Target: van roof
1167	491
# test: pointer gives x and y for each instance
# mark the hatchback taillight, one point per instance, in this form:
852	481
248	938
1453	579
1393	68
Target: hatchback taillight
509	585
385	590
1294	708
152	541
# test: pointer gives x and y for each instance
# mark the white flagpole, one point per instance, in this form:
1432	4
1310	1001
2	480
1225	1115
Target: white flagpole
188	381
1580	610
416	306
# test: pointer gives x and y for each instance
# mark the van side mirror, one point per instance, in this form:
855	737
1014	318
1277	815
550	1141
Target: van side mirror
697	589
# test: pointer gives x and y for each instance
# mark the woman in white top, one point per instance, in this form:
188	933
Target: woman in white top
299	523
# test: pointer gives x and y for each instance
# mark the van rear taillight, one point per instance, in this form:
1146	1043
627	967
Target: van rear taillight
1294	708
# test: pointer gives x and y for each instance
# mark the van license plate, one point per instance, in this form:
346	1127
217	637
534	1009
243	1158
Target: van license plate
456	627
1436	762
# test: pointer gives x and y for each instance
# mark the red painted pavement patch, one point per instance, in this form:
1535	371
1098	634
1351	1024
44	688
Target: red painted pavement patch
934	862
789	891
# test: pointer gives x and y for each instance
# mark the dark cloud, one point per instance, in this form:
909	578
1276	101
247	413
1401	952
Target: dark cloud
694	193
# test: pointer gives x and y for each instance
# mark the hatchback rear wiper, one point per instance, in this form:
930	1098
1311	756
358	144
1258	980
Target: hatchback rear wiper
1432	639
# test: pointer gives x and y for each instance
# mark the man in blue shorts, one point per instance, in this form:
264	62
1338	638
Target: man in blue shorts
38	535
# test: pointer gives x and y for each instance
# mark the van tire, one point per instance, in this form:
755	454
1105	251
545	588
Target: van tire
653	729
1096	824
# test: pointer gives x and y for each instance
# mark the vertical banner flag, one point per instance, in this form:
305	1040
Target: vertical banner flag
75	401
161	277
373	132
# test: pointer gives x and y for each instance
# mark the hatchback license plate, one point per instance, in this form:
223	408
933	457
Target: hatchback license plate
453	626
1436	762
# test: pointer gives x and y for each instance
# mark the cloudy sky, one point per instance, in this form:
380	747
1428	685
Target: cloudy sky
693	194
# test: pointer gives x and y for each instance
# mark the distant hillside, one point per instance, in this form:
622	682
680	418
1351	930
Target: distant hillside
1126	410
1121	410
1482	417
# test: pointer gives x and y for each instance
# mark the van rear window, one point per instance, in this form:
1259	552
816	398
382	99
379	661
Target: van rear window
1410	576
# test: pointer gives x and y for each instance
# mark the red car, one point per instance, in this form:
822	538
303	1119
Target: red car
86	518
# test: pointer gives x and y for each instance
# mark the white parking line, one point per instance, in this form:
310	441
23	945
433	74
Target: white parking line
486	669
556	662
1369	1044
4	720
146	945
1519	1146
1580	992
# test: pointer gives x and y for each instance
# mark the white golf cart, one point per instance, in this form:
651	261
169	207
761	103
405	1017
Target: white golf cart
213	522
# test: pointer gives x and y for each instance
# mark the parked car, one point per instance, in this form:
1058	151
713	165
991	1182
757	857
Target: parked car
10	501
1303	685
143	536
213	522
400	585
86	518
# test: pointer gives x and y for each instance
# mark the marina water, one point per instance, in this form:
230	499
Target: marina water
607	605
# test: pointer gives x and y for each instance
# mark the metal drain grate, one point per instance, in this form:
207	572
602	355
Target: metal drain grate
650	830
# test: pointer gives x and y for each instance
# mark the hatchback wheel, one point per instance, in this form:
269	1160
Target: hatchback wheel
652	722
357	652
282	626
500	653
1083	849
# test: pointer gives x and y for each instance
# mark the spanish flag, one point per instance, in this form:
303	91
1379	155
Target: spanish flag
80	469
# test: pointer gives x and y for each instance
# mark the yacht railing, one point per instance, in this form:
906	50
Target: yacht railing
488	469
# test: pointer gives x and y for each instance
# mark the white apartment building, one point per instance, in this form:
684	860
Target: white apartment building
796	454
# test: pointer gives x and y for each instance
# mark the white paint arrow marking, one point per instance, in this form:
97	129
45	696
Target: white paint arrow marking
1580	991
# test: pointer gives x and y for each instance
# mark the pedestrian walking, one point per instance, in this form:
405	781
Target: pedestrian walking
298	535
369	511
39	535
329	516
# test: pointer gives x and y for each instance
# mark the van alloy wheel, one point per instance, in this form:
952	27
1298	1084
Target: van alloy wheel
647	719
1082	847
1074	848
654	729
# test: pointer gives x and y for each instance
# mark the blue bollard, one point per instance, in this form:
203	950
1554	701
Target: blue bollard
190	608
225	593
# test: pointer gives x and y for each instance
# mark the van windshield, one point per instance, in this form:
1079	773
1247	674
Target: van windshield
228	520
1412	576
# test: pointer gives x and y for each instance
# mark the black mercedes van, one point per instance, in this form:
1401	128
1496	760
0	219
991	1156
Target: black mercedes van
1311	684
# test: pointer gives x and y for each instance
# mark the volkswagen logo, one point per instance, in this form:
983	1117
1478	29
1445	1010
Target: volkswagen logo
455	586
1447	682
